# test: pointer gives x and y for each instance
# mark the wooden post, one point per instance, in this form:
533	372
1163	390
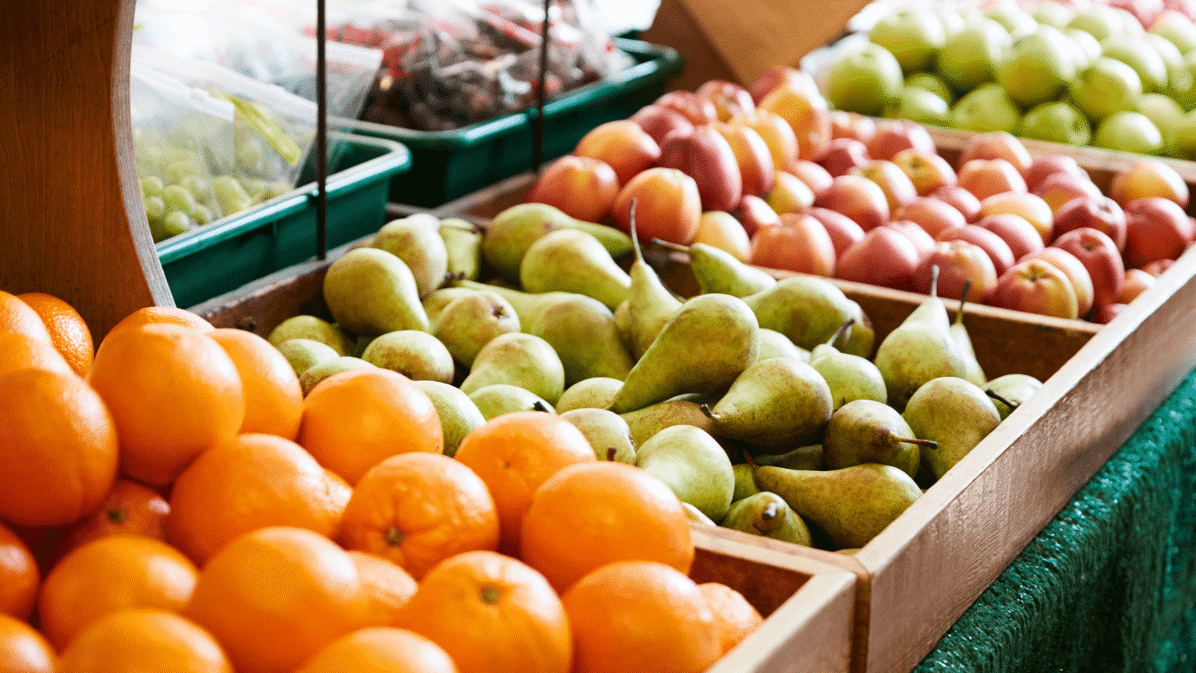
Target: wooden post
71	219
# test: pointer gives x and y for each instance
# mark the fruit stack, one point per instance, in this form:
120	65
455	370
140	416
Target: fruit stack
1114	75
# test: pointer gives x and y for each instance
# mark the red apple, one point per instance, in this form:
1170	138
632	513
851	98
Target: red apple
898	188
842	229
751	154
1021	236
1098	253
858	198
996	145
846	124
799	243
1157	267
932	214
582	187
1155	228
958	262
755	213
721	230
778	75
707	157
807	114
1103	315
1046	165
1137	281
994	245
1028	206
1146	178
777	134
667	207
789	194
884	257
986	177
842	155
1059	188
696	109
658	121
1076	272
923	241
622	144
927	170
894	135
1101	213
729	98
1035	286
816	177
961	199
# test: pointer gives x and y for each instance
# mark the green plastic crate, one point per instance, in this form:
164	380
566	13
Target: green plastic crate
449	164
278	233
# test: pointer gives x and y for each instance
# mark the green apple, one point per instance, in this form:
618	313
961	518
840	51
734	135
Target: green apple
1167	116
921	106
1137	52
1128	132
1087	47
1105	87
1170	54
1050	13
1178	29
1182	83
1058	122
1039	67
1184	144
1014	19
986	108
970	57
932	83
864	80
1099	21
951	18
913	35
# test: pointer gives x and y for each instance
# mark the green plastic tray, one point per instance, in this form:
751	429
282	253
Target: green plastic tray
278	233
450	164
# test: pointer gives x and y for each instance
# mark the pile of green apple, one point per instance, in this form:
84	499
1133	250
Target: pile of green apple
765	404
1088	75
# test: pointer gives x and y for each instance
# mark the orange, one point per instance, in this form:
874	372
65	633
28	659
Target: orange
276	596
69	333
381	650
129	508
163	315
58	449
340	488
173	392
591	514
21	351
273	398
143	640
356	419
418	509
19	576
17	317
514	454
109	574
492	614
386	586
245	483
640	616
734	616
23	649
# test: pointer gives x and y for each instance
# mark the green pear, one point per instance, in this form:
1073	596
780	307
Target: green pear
693	464
650	305
302	354
703	349
606	431
718	271
973	372
569	260
515	229
623	321
370	291
645	423
802	458
502	398
526	304
953	412
850	505
694	514
1010	391
463	246
435	303
866	431
416	240
583	333
775	404
849	377
313	328
417	355
773	344
767	514
323	370
808	310
518	359
745	482
458	414
591	393
470	322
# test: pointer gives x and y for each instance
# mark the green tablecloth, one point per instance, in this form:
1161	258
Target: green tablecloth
1110	583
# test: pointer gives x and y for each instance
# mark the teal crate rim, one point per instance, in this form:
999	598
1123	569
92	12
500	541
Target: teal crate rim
396	159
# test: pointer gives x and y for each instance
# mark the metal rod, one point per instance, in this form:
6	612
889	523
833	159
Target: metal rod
538	126
321	135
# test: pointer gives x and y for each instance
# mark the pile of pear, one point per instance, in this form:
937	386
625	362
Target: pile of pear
765	404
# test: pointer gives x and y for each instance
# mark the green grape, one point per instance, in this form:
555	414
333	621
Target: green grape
149	155
155	208
229	193
250	157
151	185
278	188
176	197
198	186
177	223
256	189
177	171
201	214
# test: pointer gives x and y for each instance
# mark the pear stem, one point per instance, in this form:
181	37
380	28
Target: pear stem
770	512
706	410
635	240
934	281
1000	398
610	454
928	443
963	299
839	332
668	245
539	406
747	458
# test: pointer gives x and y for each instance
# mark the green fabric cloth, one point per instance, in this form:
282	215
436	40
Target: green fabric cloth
1110	583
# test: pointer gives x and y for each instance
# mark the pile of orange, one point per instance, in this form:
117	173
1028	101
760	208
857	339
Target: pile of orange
173	502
